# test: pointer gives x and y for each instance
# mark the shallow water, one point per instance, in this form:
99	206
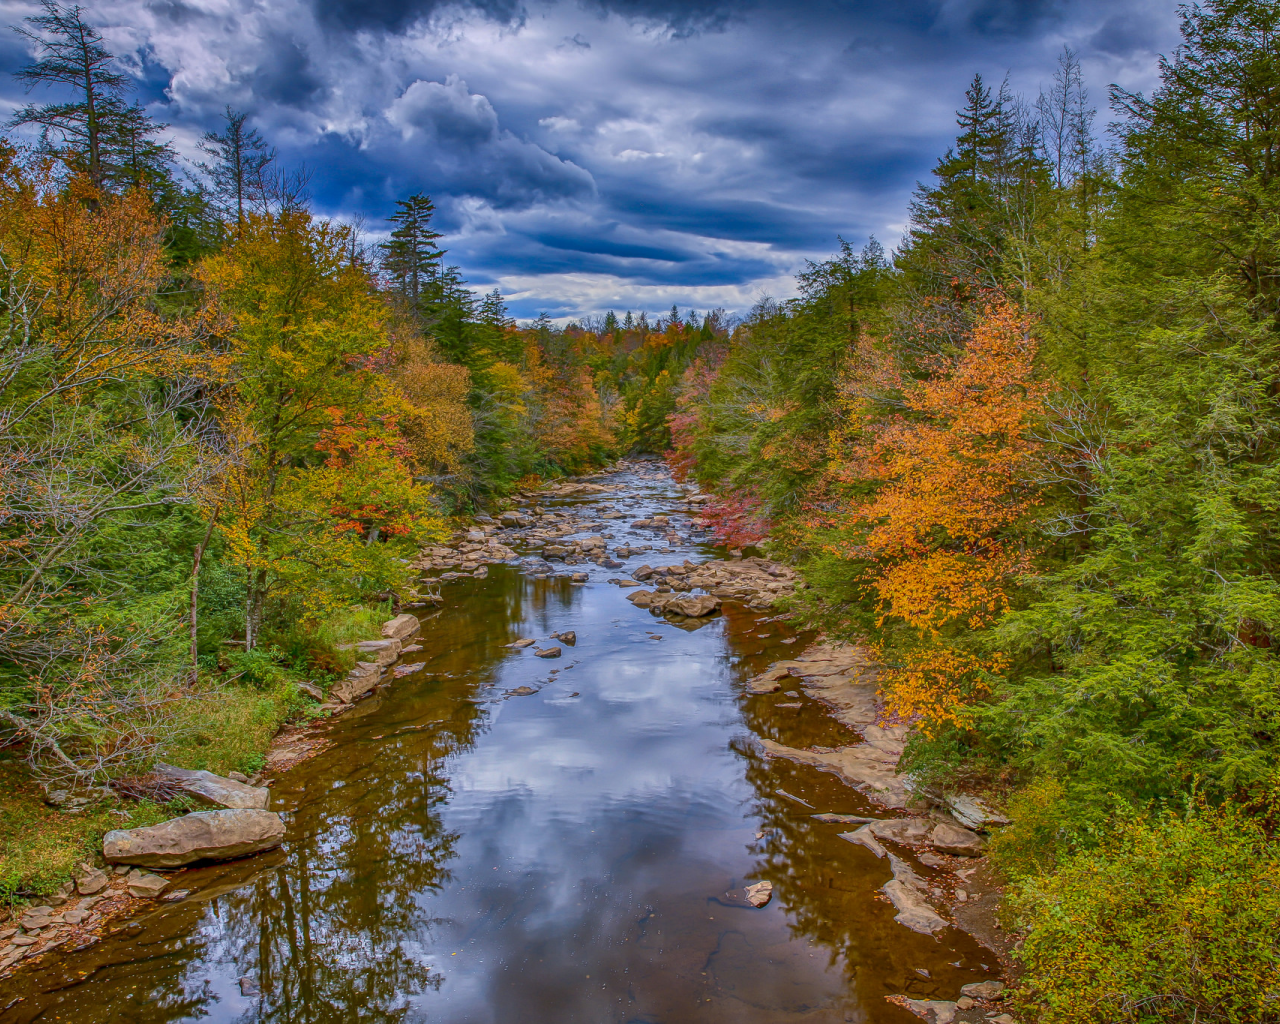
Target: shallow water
461	855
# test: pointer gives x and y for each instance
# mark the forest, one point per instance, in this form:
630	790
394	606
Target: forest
1030	458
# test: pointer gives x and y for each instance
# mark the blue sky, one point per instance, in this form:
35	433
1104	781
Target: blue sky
627	154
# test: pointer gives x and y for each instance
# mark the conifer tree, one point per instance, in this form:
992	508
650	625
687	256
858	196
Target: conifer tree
71	53
240	161
411	259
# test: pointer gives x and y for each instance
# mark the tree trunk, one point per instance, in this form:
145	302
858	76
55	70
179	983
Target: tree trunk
195	590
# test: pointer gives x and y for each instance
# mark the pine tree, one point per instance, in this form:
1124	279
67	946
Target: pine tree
628	322
611	322
411	259
72	55
241	158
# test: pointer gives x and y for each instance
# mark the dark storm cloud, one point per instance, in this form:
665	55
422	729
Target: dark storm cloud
585	153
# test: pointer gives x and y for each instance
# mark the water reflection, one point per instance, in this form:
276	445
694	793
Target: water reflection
461	855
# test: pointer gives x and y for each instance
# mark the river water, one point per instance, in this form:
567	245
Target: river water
458	854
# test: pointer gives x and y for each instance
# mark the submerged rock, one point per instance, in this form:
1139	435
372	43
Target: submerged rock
913	911
548	652
201	835
213	789
145	884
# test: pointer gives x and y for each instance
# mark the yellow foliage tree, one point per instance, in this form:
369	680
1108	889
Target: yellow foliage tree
943	532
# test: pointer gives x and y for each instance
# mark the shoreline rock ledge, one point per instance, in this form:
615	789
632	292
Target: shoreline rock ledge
201	835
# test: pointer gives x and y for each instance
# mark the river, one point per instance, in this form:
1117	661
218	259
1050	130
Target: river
459	854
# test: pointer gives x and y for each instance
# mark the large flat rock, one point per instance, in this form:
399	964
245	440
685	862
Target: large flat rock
214	789
201	835
867	769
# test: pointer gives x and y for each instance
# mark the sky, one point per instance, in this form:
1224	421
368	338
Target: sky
587	155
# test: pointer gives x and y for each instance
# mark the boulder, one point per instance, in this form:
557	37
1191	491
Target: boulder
201	835
213	789
145	884
983	989
936	1011
548	652
641	598
568	636
309	689
759	894
972	812
91	880
359	681
401	628
384	652
694	607
947	838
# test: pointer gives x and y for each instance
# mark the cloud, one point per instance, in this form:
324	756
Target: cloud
605	150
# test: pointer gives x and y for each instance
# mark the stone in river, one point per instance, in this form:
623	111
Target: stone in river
401	628
694	607
983	989
213	789
641	598
759	894
523	691
145	884
938	1011
568	636
201	835
548	652
843	819
913	911
947	838
523	643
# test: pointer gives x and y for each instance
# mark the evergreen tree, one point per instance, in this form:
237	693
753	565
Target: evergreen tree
628	322
411	259
237	173
611	322
72	54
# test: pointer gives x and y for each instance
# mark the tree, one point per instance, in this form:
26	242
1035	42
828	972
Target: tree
411	259
237	175
72	55
945	533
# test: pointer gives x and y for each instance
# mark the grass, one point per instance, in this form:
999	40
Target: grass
224	724
39	845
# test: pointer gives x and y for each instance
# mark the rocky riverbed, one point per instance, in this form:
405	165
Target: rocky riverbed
589	773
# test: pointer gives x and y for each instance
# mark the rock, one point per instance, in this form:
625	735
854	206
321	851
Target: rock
145	884
580	577
384	651
92	880
568	636
75	916
523	691
201	835
983	989
177	894
238	777
863	837
213	789
939	1011
843	819
641	598
913	911
523	643
548	652
901	830
359	681
768	681
965	1003
1003	1018
972	812
948	838
248	986
694	607
24	940
759	894
312	691
401	628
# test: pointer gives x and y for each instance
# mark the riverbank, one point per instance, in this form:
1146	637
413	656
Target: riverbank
534	636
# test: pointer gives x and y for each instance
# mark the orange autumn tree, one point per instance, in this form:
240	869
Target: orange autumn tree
943	522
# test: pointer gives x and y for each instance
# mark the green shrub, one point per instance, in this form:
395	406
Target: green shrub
1169	919
1049	824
